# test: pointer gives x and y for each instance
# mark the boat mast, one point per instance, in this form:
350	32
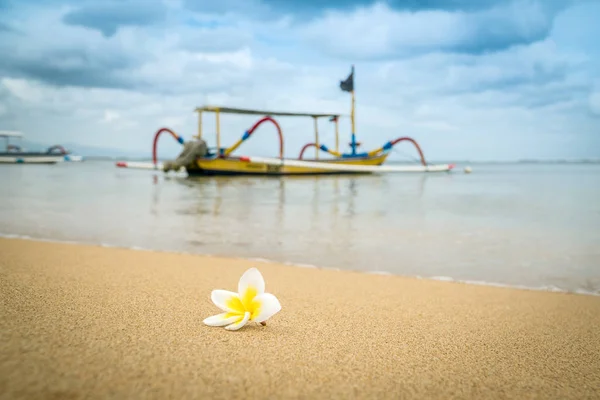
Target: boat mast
352	118
348	86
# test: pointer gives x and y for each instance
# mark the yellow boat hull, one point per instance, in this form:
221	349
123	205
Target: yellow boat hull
238	166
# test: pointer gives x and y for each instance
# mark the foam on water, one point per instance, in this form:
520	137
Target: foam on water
266	261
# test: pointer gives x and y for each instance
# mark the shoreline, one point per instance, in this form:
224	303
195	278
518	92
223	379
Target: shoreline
85	321
551	289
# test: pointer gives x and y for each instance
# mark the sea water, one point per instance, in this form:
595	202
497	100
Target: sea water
526	225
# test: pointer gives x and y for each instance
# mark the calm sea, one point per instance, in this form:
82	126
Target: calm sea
532	225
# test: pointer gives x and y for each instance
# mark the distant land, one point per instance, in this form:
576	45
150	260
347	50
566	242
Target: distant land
547	161
89	152
109	153
457	162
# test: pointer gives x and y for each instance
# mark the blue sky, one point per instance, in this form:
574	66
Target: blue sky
476	80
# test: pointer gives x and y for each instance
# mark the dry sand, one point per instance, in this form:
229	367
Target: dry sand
92	322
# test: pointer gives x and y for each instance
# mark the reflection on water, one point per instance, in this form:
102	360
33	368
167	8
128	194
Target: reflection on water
522	225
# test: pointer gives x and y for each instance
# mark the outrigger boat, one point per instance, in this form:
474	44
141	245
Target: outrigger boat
14	154
198	159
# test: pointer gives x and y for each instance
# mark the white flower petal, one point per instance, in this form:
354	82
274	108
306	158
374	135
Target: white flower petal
266	305
251	278
250	285
222	319
240	323
227	301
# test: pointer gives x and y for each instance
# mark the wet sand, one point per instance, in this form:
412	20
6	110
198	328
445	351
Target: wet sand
91	322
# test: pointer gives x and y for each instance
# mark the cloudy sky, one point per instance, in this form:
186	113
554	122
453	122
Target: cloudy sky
469	79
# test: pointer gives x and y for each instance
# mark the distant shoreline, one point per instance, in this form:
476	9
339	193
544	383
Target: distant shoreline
582	161
550	289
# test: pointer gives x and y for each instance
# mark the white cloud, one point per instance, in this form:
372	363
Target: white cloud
23	90
379	31
110	115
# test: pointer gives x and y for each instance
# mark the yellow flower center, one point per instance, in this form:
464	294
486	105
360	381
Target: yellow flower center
245	303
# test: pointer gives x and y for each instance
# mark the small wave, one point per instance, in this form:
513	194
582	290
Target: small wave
385	273
300	265
310	266
544	288
258	259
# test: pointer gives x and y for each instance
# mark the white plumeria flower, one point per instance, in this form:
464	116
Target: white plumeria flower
251	303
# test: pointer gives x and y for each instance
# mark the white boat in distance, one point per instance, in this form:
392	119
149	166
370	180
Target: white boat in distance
13	154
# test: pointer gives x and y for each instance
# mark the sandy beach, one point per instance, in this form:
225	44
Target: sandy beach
92	322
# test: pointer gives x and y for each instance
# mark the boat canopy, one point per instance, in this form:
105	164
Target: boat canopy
10	134
231	110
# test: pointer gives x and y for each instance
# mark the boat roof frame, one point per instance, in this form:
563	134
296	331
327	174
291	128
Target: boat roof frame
8	134
247	111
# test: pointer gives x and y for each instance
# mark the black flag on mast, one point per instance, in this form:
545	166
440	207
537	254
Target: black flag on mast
348	84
